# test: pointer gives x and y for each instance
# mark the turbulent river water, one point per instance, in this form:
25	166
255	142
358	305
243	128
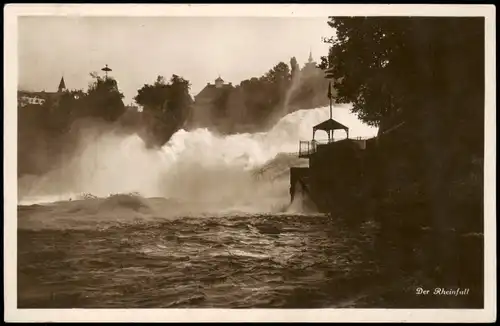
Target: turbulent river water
246	260
203	222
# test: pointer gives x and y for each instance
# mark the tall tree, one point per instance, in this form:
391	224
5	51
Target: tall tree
422	79
166	107
103	99
279	73
392	66
152	97
65	110
294	66
179	101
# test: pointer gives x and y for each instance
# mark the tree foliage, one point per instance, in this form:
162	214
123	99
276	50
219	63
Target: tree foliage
391	68
153	96
65	110
44	130
268	94
103	100
421	80
294	66
166	106
257	102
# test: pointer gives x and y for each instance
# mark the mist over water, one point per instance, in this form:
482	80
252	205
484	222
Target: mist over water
200	168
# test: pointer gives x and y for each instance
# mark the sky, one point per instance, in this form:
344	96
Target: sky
139	49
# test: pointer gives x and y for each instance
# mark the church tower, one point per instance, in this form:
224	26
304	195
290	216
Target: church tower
62	86
310	65
310	60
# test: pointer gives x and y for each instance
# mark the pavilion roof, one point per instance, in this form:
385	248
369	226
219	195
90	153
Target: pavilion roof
329	124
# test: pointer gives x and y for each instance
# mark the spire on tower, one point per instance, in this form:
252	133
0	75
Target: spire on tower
62	85
310	56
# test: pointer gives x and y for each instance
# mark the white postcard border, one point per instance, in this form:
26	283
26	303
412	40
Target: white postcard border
11	12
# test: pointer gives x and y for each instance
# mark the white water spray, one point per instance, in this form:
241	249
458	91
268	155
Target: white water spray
194	167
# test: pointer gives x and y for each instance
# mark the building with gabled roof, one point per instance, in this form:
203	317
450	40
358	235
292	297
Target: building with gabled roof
25	98
212	91
209	103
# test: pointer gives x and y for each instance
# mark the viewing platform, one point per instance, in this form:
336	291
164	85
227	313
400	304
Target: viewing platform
335	166
310	147
307	148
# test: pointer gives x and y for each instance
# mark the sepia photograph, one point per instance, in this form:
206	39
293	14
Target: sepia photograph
235	159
